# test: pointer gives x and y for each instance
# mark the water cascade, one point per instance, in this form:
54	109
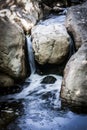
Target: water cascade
30	55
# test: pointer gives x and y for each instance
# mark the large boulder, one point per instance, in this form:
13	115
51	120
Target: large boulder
12	57
76	23
24	12
74	87
50	41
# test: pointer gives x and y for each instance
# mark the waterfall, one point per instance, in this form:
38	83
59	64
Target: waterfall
30	55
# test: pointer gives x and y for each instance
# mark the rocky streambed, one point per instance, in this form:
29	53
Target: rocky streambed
43	77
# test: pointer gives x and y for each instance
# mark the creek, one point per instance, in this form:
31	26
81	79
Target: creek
38	105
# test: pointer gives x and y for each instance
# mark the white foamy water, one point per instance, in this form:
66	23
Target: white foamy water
37	88
53	19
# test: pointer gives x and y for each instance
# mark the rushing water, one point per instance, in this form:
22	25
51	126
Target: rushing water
30	55
53	19
38	105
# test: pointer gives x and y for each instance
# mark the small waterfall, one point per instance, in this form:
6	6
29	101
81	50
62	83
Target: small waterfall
30	55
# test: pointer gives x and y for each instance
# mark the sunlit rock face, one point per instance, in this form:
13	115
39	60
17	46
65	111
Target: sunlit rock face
24	12
74	86
12	57
76	23
50	42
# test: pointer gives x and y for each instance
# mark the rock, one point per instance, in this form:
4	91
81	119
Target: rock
12	57
48	80
6	81
24	12
50	42
9	111
6	117
74	87
76	23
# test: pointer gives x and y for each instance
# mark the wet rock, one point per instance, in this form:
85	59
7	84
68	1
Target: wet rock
24	12
49	80
74	87
76	23
6	118
9	111
50	42
12	57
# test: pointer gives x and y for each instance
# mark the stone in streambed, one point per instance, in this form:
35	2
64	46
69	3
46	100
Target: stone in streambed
74	86
76	23
12	57
50	43
48	80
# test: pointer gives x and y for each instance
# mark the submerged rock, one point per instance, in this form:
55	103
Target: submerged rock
76	23
50	42
74	87
12	57
48	80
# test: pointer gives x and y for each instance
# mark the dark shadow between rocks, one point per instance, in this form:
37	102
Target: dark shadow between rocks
79	108
51	68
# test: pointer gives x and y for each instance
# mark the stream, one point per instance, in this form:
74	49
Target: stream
37	106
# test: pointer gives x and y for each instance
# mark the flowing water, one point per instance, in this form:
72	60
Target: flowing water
38	105
30	55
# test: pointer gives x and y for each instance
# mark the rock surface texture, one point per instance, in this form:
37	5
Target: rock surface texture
76	23
24	12
74	87
50	43
12	57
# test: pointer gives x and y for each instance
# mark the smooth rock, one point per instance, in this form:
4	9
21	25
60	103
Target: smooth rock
74	86
50	42
48	80
12	57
